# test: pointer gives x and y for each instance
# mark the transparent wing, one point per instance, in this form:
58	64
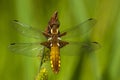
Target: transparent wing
27	49
74	48
80	30
27	30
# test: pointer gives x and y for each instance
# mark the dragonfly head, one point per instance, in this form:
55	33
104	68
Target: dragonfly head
54	23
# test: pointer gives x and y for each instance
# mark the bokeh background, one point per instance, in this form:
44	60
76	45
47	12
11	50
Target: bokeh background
103	64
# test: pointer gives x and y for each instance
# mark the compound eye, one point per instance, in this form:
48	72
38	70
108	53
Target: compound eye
54	30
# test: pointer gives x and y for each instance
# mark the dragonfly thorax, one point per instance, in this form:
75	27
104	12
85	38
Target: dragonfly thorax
54	40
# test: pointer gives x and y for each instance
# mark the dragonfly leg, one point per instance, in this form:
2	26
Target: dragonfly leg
63	43
46	34
62	34
47	44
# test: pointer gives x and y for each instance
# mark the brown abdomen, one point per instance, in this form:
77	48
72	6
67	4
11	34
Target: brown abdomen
55	58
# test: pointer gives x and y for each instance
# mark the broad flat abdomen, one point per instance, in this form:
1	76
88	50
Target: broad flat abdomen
55	58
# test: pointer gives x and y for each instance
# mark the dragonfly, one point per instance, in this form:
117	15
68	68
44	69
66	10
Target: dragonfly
53	36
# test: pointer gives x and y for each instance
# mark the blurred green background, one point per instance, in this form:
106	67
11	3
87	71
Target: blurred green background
104	64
